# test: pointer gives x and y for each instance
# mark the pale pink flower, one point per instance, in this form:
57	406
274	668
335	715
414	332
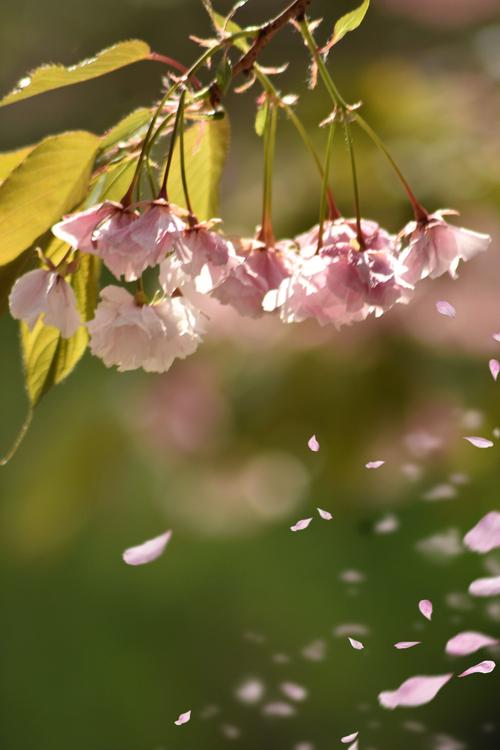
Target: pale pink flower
77	229
416	691
263	269
436	247
341	284
45	293
205	256
129	335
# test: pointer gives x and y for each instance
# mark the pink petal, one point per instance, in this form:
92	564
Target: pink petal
279	708
485	536
425	607
183	719
148	551
485	587
446	308
484	667
325	515
494	368
374	464
403	645
357	645
468	642
313	444
293	691
416	691
350	738
301	525
496	336
480	442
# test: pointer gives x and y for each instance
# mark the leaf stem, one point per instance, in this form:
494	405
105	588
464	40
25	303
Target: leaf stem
326	177
357	205
266	234
173	138
183	166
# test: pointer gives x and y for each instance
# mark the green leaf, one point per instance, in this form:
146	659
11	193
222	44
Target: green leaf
128	127
48	358
51	180
50	77
9	160
260	118
349	22
206	144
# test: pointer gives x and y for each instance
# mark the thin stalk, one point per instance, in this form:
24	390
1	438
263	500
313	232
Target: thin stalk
324	189
266	233
183	166
173	138
357	205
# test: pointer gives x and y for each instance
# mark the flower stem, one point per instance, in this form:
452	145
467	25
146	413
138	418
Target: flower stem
183	166
266	233
326	177
357	205
173	138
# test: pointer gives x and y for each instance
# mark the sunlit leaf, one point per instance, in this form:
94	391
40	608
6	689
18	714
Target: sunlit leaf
349	22
49	182
9	160
50	77
126	128
206	145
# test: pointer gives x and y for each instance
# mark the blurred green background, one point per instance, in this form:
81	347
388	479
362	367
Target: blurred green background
98	655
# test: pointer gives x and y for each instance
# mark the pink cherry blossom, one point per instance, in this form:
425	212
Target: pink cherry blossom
263	269
205	256
468	642
494	366
404	645
356	645
446	308
484	667
425	607
436	247
129	335
485	587
301	525
77	229
45	293
341	284
485	535
313	444
324	514
374	464
416	691
148	551
479	442
183	718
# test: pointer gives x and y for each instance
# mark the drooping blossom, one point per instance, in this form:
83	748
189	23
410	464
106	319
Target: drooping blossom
479	442
45	293
342	283
416	691
183	718
263	269
436	247
485	535
469	642
446	308
324	514
147	551
77	229
205	256
494	366
425	607
130	335
313	444
404	645
485	587
301	525
484	667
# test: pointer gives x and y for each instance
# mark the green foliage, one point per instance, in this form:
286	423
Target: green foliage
50	77
125	128
9	160
206	144
349	22
51	180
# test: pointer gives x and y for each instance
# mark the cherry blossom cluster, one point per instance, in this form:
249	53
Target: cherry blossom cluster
340	273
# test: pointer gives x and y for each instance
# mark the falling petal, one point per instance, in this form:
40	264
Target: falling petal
279	709
148	551
468	643
250	692
484	667
293	691
485	587
440	492
183	718
374	464
494	368
479	442
352	576
349	628
441	547
416	691
301	525
314	651
326	515
357	645
485	536
313	444
350	738
426	608
403	645
386	525
445	308
496	336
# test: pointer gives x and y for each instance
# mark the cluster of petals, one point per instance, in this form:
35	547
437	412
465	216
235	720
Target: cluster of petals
45	293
